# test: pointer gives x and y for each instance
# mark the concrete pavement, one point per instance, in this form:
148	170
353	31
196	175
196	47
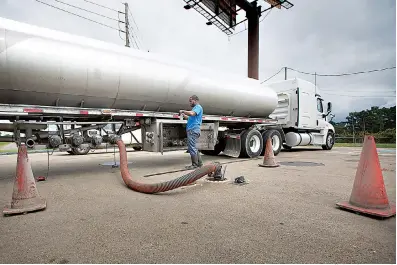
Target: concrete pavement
283	215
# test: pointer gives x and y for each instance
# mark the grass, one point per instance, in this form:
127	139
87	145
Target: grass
3	144
360	145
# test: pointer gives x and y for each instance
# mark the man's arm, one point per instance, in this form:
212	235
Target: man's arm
194	112
188	112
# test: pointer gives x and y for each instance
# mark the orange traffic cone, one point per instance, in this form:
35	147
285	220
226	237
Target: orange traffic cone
369	194
25	197
268	158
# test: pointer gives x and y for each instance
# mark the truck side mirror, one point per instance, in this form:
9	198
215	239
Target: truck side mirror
329	107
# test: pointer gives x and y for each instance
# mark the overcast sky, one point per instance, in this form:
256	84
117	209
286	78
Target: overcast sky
323	36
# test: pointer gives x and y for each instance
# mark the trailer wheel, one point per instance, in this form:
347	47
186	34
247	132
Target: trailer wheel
80	150
276	141
219	147
251	143
70	152
137	148
329	143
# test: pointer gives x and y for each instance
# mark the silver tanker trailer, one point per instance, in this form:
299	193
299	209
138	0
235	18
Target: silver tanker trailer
79	86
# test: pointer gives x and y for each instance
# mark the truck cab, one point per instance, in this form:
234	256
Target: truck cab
302	114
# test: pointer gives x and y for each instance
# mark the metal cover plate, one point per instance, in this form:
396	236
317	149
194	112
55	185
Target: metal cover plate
301	164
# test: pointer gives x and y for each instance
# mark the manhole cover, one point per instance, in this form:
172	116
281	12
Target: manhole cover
301	164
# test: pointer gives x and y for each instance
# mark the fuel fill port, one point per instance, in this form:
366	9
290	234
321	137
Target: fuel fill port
218	175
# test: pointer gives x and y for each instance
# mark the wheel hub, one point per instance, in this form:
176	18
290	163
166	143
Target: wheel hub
255	143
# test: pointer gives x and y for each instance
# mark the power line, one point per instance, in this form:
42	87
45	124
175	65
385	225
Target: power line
273	75
133	37
79	16
344	74
361	90
359	96
88	11
266	15
133	18
103	6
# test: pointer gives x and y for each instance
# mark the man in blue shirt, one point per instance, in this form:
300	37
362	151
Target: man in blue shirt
195	117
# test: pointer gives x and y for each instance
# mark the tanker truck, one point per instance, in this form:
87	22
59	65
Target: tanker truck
62	91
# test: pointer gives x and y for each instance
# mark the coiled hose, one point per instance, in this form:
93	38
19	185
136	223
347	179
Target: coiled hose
163	186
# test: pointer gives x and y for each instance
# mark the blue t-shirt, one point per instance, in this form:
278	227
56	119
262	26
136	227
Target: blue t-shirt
194	122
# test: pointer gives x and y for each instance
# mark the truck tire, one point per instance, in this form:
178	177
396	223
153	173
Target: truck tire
251	143
137	148
276	141
219	147
80	151
329	142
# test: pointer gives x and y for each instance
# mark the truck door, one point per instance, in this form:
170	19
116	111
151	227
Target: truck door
307	109
321	122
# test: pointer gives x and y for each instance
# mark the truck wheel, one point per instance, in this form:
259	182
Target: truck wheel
219	147
70	152
80	150
251	143
276	141
137	148
329	143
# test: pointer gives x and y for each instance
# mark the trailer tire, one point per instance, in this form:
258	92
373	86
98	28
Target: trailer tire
251	143
276	138
137	148
80	151
219	147
329	142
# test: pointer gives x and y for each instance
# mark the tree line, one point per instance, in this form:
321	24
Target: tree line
379	122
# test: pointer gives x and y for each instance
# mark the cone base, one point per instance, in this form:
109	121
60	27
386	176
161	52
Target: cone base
263	165
41	205
387	212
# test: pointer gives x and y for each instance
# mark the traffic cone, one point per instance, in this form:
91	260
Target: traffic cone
369	194
25	197
268	158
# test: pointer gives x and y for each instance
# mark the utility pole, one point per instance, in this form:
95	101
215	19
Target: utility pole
253	14
127	32
285	73
315	82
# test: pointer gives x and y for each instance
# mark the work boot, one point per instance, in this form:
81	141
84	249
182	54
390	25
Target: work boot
194	164
200	162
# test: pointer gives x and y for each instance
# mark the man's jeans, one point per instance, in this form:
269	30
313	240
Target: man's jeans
192	137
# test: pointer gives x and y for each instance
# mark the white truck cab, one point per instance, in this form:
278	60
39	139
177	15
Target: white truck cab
302	114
